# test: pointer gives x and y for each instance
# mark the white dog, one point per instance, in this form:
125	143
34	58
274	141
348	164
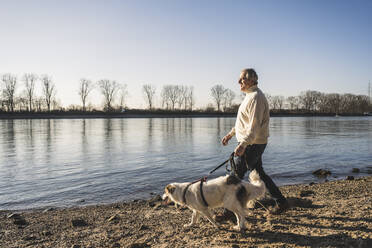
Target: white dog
225	191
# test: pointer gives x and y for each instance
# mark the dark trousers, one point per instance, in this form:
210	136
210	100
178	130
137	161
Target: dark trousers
252	160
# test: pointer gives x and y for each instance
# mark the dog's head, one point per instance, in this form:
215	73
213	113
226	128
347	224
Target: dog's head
168	191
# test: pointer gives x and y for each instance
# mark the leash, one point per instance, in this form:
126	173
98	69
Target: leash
232	164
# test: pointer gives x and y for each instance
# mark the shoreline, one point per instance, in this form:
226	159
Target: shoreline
81	203
330	214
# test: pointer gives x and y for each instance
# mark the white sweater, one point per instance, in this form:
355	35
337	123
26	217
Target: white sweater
252	122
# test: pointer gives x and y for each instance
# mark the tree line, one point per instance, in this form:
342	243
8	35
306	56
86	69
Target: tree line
172	97
31	101
325	103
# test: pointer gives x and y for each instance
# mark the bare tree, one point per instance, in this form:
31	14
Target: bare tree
39	103
182	96
173	95
277	102
218	94
20	102
170	95
108	90
293	102
10	83
228	99
323	104
310	99
165	97
49	90
269	100
29	79
123	95
190	98
56	103
149	93
86	86
334	102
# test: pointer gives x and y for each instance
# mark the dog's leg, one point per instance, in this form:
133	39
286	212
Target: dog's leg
240	226
194	218
240	219
209	217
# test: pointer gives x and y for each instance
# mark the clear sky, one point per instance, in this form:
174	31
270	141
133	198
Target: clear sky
293	45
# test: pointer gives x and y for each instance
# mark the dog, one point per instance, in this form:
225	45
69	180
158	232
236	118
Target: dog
226	191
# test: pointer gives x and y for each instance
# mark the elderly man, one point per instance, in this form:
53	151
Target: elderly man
252	132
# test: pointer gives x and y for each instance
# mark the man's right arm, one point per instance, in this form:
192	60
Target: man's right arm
225	140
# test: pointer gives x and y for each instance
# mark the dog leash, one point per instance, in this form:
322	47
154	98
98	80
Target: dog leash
232	164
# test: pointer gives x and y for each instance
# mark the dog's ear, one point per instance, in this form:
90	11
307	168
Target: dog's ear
170	188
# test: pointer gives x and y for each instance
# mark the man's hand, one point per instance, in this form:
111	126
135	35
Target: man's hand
225	140
239	150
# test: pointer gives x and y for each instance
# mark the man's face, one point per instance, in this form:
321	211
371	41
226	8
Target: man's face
244	83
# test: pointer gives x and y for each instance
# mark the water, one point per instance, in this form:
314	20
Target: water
73	162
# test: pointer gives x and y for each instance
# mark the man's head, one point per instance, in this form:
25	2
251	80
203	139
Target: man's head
248	78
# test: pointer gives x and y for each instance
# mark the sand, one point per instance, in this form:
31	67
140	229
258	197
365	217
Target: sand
330	214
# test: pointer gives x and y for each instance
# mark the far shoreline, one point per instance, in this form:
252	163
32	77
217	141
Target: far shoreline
144	114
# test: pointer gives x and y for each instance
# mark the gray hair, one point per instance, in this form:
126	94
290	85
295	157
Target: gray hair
250	74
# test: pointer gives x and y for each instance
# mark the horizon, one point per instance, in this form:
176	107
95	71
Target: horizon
294	46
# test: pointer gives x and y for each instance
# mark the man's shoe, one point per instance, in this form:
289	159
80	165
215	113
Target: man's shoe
280	208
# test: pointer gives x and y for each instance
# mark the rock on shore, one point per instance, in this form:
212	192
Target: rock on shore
332	214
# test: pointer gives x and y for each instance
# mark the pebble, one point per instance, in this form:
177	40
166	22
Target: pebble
321	173
79	223
29	238
20	222
143	227
138	245
17	219
349	178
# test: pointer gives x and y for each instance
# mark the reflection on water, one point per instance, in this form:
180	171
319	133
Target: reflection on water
59	162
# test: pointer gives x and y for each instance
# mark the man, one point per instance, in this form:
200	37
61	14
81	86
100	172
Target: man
252	132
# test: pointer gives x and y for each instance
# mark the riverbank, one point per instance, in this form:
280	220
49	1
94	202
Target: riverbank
101	114
147	114
331	214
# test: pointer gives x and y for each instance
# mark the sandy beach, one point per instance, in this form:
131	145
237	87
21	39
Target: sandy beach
330	214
